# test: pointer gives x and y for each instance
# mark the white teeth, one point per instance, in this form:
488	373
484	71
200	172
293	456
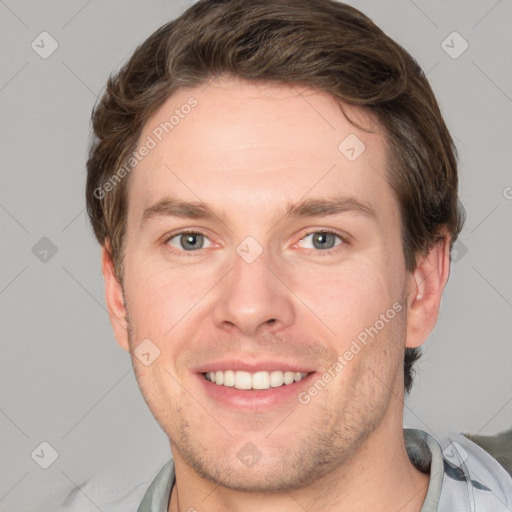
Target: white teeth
229	378
261	380
276	379
288	377
243	380
257	380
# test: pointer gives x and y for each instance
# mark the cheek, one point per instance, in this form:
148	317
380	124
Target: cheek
350	296
158	296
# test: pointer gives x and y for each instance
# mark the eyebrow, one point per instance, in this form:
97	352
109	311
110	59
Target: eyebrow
169	207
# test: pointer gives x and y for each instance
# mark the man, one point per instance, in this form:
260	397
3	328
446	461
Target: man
275	191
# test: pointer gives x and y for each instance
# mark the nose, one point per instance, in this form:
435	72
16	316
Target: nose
252	299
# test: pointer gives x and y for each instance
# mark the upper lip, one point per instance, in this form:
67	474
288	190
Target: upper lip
253	366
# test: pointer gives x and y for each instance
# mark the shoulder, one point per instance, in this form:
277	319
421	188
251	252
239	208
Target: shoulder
463	476
473	474
115	489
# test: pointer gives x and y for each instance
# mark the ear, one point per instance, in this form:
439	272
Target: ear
114	298
425	288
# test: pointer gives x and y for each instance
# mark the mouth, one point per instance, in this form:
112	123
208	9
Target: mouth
253	388
260	380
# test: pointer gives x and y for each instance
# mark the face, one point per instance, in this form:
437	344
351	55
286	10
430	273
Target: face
286	273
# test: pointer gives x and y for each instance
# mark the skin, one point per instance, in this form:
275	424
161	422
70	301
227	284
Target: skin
248	150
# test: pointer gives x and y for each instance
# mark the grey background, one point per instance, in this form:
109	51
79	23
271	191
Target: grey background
64	379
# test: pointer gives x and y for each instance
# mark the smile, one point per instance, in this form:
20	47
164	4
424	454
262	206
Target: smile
258	380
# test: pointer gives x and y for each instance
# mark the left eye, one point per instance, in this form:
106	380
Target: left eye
190	241
322	240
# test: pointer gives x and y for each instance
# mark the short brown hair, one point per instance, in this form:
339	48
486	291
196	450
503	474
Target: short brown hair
321	44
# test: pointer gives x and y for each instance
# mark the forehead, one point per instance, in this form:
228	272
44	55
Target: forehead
259	145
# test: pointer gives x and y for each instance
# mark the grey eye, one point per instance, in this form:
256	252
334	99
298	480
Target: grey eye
322	240
188	241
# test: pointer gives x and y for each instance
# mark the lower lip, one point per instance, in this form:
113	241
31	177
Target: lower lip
255	399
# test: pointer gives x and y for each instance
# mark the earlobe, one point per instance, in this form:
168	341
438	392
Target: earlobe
425	288
115	300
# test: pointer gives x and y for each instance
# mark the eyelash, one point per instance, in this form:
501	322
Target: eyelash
328	252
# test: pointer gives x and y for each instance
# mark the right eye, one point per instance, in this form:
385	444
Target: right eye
187	241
